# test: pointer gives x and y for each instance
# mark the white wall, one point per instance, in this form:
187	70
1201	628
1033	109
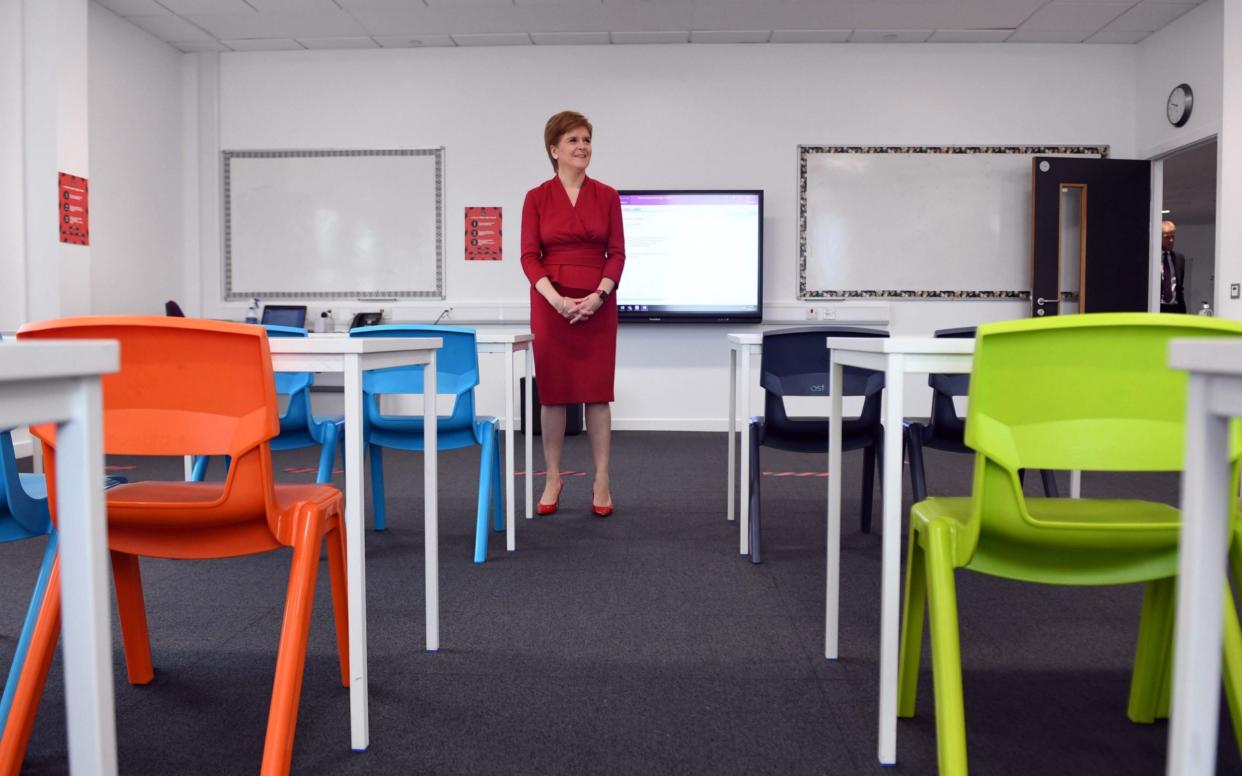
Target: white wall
136	168
12	211
1229	170
665	116
1198	243
1187	51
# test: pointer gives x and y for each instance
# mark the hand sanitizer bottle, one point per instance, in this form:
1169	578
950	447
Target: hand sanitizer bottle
252	314
1206	309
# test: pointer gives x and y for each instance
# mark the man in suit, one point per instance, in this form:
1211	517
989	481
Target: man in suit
1172	272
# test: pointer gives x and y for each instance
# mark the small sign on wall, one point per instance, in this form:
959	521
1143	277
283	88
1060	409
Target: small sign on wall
74	210
483	234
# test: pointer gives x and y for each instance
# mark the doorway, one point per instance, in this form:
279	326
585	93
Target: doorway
1189	201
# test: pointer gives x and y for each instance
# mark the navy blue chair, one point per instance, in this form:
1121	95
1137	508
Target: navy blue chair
945	429
299	427
457	373
795	363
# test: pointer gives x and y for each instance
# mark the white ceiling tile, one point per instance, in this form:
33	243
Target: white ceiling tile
656	36
186	7
588	4
293	24
1048	36
396	21
414	41
192	46
493	39
1061	15
810	36
890	36
970	36
276	6
569	38
1150	17
263	44
134	7
338	43
1109	35
459	3
380	5
170	28
730	36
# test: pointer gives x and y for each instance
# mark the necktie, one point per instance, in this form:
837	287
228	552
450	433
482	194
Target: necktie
1168	283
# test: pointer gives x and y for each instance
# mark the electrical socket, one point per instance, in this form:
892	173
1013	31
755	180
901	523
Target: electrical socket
811	313
828	314
1235	290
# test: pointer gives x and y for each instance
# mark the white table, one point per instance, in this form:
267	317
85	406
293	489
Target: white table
745	346
1214	396
895	357
508	343
352	356
59	382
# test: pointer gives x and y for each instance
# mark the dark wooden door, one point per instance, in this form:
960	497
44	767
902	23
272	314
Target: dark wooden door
1115	229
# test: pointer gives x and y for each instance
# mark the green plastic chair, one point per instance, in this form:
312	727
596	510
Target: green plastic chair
1091	392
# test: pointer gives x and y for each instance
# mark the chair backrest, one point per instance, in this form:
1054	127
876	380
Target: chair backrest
294	385
1087	392
186	386
457	370
795	363
945	422
15	522
173	310
286	315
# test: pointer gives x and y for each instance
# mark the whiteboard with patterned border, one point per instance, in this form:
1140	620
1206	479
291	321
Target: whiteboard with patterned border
333	224
917	221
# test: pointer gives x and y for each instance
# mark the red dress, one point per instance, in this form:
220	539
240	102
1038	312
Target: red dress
574	246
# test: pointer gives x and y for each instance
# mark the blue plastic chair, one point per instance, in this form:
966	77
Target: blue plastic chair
299	427
457	373
23	515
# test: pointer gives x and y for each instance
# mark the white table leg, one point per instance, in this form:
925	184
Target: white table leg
84	588
832	595
510	493
36	456
890	588
744	472
528	432
431	522
732	434
188	464
1204	547
1076	483
355	555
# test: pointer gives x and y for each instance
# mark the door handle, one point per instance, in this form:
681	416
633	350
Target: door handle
1040	300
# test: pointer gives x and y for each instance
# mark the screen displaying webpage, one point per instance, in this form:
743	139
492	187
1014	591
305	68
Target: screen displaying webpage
691	251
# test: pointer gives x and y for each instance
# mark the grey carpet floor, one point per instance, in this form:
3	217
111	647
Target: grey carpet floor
640	644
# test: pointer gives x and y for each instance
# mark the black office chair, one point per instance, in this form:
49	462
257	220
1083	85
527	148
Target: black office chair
173	310
945	429
795	363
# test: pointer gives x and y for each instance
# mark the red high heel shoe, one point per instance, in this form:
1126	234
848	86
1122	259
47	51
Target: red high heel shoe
600	511
550	509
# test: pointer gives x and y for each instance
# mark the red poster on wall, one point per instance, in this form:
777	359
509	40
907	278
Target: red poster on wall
483	234
74	211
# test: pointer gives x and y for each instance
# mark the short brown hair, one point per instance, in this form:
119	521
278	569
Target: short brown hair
556	128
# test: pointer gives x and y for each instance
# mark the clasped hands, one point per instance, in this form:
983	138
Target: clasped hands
579	308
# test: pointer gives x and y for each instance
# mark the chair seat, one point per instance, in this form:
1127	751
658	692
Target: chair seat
188	504
35	485
1061	549
445	440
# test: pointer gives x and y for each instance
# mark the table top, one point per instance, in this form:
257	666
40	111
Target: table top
324	345
947	346
1214	356
482	336
20	361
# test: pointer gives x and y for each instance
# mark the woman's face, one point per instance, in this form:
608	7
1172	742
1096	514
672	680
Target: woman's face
573	151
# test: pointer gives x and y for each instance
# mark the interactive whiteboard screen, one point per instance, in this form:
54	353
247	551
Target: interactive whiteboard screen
333	224
692	256
949	222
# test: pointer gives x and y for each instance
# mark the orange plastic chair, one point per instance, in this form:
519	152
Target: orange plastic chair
193	387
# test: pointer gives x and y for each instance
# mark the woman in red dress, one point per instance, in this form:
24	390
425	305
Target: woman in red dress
573	251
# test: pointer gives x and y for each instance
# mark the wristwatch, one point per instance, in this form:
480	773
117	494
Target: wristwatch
603	293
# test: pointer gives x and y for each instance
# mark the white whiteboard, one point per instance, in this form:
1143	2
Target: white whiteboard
333	224
918	221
